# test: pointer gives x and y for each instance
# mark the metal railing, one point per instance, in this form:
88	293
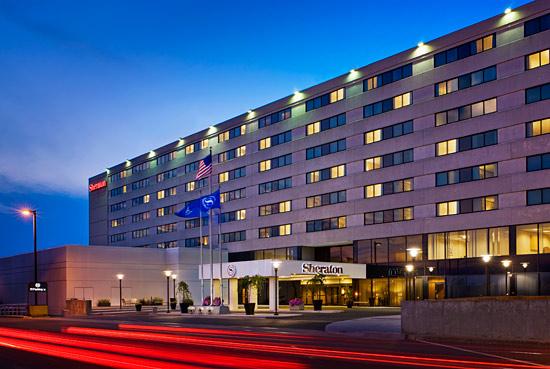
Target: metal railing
13	309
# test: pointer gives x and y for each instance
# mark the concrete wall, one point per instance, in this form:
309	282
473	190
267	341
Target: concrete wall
487	318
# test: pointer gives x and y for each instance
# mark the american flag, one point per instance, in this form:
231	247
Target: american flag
205	167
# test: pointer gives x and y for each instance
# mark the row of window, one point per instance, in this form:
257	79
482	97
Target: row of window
275	231
395	130
276	208
275	118
326	99
326	149
326	199
539	196
319	225
388	77
390	104
466	143
326	174
278	162
275	140
537	93
326	124
538	59
389	216
465	50
389	188
466	81
536	25
466	112
389	160
232	133
538	162
465	206
468	174
232	216
231	154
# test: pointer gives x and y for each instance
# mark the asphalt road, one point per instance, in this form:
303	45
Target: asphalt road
114	343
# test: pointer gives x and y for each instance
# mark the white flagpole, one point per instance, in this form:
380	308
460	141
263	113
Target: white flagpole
210	233
200	244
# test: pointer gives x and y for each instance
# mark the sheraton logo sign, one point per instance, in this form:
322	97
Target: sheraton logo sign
322	269
96	186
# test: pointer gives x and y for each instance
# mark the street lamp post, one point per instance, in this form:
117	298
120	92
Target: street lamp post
174	277
167	273
276	265
30	212
413	252
506	264
486	259
120	278
410	269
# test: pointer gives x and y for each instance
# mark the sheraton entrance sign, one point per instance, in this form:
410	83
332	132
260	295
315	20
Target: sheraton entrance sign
322	269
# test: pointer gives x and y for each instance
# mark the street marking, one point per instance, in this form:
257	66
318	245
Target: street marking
526	352
480	353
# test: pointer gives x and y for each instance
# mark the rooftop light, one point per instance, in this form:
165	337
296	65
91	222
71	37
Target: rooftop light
507	10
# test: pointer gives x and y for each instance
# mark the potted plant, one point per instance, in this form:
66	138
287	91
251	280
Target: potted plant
316	282
185	295
296	304
248	283
103	302
173	303
138	306
348	296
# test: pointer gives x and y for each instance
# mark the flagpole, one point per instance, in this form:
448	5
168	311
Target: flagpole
220	246
200	244
210	236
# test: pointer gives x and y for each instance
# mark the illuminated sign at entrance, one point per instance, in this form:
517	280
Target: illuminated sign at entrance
322	269
38	287
97	185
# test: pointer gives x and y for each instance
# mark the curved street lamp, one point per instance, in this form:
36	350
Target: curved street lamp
28	213
276	265
167	273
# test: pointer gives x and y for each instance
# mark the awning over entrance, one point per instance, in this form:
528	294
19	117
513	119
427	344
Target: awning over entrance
295	269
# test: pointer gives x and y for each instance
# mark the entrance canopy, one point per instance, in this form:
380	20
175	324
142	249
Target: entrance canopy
288	269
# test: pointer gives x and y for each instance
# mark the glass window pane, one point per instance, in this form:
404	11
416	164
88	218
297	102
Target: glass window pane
526	239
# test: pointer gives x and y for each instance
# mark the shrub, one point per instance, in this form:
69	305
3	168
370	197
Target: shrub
103	302
296	302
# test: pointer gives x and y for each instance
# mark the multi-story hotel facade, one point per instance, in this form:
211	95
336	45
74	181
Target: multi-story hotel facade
443	149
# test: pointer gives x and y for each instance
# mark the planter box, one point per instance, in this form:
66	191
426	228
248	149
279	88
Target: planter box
296	307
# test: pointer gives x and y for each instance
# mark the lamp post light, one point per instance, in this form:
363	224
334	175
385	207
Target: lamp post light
120	277
410	269
506	264
167	273
174	277
486	259
276	265
27	213
413	252
431	269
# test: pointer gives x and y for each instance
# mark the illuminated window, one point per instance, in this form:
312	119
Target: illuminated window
117	222
537	127
276	208
467	174
465	50
232	195
265	143
465	206
167	210
326	199
325	99
204	143
313	128
275	118
466	112
466	81
386	105
232	133
167	228
326	174
373	190
388	188
223	177
140	233
232	154
446	147
140	217
275	140
327	224
388	77
265	165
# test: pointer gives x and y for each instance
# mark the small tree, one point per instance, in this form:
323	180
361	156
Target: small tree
316	282
184	293
248	283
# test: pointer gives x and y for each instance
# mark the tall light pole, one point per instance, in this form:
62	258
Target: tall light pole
524	265
276	265
410	269
486	259
32	212
174	277
413	252
167	273
120	278
506	264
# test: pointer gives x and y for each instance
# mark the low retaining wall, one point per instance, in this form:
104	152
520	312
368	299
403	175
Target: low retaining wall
524	319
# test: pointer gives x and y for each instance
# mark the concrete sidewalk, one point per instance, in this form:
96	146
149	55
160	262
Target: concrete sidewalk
388	326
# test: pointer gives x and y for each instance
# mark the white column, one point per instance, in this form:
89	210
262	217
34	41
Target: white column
272	297
233	294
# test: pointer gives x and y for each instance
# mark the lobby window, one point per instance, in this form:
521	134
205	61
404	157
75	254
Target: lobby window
167	175
468	174
326	149
538	162
537	127
533	237
389	160
275	231
466	81
536	25
163	159
140	184
537	93
141	200
232	195
465	206
538	59
232	154
140	217
386	133
196	184
140	233
466	143
232	216
390	104
196	222
141	167
277	162
117	237
118	191
465	50
326	199
232	133
275	140
388	77
196	146
275	118
117	222
195	241
326	174
276	208
327	224
118	206
539	196
167	228
234	236
389	216
389	188
276	185
167	244
468	244
172	191
326	124
466	112
231	175
167	210
325	99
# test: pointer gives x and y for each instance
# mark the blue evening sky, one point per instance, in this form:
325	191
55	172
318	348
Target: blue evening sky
87	84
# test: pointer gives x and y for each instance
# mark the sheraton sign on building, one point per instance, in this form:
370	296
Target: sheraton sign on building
329	269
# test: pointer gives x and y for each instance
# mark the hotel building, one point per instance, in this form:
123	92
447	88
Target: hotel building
442	150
